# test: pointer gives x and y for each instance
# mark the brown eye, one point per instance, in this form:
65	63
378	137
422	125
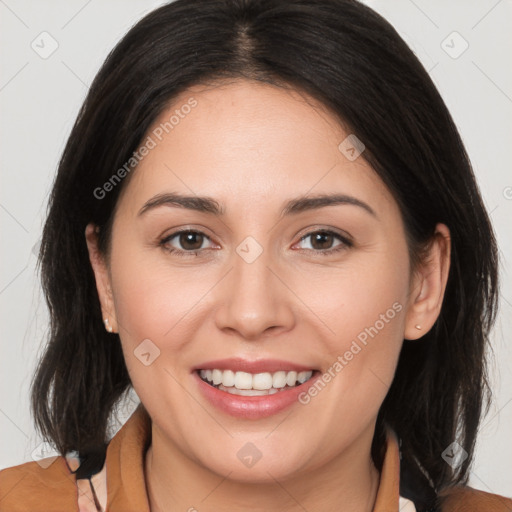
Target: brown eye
191	240
185	242
325	242
322	240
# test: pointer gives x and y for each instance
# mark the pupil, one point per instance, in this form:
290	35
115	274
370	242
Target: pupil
319	237
188	238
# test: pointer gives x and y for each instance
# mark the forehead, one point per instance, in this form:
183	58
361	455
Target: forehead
246	141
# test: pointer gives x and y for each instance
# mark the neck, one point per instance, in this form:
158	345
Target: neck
175	482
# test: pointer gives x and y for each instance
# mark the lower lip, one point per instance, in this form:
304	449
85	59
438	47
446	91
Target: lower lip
252	407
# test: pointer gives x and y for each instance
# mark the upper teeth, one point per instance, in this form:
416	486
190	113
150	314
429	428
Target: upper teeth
261	381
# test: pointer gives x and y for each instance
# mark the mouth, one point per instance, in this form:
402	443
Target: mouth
253	389
254	384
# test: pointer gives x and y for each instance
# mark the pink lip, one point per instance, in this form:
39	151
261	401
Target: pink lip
252	407
259	366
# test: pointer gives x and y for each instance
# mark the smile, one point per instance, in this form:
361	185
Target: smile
258	384
251	389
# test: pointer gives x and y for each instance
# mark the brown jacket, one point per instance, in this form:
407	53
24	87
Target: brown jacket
121	486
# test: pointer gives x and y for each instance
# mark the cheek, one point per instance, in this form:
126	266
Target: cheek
152	298
155	309
159	309
363	298
363	305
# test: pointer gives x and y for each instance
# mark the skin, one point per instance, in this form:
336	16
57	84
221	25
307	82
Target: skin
252	147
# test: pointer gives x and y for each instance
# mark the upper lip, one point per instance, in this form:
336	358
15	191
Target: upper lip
238	364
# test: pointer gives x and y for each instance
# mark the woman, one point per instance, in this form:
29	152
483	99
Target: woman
265	222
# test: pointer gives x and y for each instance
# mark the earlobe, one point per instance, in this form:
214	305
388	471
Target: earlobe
102	278
429	285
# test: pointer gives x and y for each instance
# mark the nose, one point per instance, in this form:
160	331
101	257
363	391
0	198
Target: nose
254	300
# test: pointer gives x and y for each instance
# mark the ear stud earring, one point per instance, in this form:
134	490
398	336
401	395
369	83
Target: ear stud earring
107	325
418	327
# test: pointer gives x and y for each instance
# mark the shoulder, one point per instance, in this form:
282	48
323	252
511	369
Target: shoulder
47	485
465	499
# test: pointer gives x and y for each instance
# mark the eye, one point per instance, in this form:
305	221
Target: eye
191	242
322	242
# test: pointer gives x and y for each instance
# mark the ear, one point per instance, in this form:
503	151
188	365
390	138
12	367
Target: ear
428	286
102	277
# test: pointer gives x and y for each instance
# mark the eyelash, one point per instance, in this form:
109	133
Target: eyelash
346	243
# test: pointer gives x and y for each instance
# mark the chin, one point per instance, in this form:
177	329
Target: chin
256	460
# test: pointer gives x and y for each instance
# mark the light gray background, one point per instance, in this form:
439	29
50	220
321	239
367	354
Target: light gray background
39	100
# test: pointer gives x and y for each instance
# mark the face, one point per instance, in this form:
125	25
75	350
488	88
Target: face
267	286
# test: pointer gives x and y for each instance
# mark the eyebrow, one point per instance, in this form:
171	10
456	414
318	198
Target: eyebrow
293	206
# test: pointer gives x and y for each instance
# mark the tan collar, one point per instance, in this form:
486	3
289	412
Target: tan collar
126	489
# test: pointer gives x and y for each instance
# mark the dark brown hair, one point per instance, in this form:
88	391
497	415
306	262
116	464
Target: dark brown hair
353	61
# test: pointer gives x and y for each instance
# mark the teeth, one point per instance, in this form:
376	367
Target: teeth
249	384
262	381
216	376
228	378
291	378
279	380
244	392
243	380
303	377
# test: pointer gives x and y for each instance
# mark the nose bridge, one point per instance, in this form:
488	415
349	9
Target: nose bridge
251	274
253	299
